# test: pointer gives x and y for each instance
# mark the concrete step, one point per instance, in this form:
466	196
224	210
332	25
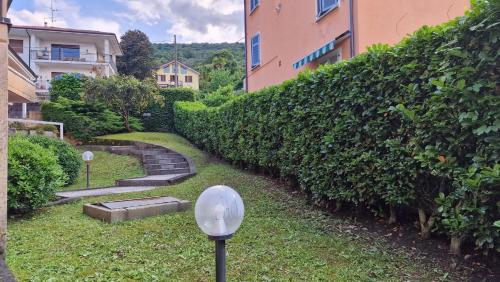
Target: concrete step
167	171
166	166
164	161
153	180
154	152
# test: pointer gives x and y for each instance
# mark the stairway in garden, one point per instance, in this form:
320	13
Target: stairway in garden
163	167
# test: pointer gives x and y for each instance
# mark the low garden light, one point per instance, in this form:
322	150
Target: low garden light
219	212
87	157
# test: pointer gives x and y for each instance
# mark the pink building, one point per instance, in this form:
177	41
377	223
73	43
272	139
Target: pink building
283	37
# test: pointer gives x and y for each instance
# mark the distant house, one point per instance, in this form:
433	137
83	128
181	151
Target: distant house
284	37
168	76
53	51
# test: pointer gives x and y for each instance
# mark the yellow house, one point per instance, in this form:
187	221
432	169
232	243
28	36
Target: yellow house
186	76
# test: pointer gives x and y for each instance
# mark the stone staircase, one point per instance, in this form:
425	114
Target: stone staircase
162	166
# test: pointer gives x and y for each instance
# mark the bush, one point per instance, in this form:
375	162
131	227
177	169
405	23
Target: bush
219	97
33	175
69	86
414	127
162	116
84	120
67	156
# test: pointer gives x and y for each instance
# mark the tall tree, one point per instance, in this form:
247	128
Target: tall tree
123	94
137	59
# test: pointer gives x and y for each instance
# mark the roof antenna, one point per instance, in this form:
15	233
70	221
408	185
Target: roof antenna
52	11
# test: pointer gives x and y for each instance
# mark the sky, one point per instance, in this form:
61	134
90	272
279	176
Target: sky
192	21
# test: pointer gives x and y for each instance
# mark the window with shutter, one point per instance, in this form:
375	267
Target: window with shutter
255	50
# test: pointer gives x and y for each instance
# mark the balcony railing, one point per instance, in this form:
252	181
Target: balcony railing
45	54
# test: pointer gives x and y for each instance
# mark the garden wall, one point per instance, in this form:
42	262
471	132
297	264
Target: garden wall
412	127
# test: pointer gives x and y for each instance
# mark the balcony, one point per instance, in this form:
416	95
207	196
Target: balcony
46	56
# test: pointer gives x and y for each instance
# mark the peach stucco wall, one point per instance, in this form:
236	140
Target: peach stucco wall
389	21
289	31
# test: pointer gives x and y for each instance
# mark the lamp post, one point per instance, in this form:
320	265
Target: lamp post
219	212
87	157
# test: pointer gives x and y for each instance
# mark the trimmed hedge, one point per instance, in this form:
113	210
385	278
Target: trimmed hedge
67	156
414	127
162	116
33	175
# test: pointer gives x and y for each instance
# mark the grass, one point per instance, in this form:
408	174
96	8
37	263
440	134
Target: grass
105	169
281	238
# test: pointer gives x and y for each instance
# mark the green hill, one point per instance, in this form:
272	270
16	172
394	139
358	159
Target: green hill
195	54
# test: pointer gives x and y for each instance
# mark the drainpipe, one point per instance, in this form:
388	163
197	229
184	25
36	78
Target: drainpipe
29	48
351	27
246	51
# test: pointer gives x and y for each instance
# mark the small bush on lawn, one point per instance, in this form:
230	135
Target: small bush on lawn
33	175
67	156
162	116
415	127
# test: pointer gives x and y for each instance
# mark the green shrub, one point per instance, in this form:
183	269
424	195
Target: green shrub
162	116
84	120
219	97
414	127
69	86
33	175
67	156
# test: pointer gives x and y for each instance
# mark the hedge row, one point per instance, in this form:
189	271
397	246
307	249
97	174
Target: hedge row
161	117
414	127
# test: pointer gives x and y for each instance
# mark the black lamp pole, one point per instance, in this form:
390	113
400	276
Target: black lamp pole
220	256
88	175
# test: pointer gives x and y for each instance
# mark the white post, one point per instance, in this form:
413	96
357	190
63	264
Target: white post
106	51
61	131
25	110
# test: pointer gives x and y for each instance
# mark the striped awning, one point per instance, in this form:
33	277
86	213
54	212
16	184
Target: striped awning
314	55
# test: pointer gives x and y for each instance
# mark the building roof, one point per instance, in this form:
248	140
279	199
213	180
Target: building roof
69	30
62	29
186	66
21	61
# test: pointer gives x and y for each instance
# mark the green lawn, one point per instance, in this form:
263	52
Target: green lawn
106	168
281	238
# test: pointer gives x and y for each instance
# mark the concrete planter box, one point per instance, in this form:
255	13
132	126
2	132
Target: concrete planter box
112	212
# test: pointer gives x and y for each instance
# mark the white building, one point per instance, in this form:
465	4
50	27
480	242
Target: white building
53	51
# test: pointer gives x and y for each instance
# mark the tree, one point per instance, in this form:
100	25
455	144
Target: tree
220	70
68	85
123	94
137	59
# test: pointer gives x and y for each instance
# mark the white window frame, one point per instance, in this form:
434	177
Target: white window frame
255	4
320	12
251	50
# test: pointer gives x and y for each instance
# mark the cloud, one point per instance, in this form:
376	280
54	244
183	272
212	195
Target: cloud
193	21
69	16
